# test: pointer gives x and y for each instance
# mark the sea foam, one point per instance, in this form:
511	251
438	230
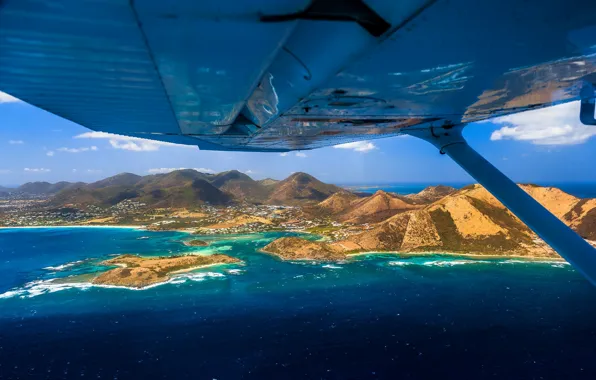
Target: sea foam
399	263
64	266
40	287
552	263
451	263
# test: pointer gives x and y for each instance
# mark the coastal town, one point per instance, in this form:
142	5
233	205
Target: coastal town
242	215
204	219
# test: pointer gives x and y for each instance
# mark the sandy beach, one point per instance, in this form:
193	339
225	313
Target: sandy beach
77	226
459	254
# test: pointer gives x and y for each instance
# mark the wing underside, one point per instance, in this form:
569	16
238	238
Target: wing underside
272	75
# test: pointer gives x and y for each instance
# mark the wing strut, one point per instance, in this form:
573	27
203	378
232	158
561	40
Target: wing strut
561	238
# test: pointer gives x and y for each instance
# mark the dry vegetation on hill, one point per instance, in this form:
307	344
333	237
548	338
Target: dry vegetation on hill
468	221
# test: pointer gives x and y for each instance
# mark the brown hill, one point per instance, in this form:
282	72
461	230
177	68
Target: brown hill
85	195
301	188
582	218
292	248
241	186
176	178
198	192
268	182
45	188
337	202
122	179
180	188
350	208
431	194
378	207
471	221
187	187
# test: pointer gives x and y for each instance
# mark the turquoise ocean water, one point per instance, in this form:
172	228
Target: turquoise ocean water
369	317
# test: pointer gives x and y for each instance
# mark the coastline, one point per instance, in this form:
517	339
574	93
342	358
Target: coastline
105	226
75	226
348	255
457	254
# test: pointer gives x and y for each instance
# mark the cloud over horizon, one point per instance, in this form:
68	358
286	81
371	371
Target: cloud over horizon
557	125
77	150
37	170
135	144
358	146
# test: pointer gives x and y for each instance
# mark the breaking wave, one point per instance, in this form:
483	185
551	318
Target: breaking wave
451	263
457	262
40	287
552	263
399	263
235	271
197	277
64	266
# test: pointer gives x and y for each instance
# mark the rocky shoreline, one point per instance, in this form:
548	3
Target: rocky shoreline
296	249
139	272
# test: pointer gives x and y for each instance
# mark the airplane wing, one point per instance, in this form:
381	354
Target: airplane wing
271	75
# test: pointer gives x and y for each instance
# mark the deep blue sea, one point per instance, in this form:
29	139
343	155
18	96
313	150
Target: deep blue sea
578	189
370	317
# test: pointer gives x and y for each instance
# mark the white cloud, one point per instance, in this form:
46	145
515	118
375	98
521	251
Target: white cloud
37	170
204	170
93	171
77	150
74	170
5	98
557	125
5	171
135	144
16	142
169	170
249	171
284	154
50	153
358	146
301	155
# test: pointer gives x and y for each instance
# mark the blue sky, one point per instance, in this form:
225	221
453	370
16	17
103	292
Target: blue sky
546	146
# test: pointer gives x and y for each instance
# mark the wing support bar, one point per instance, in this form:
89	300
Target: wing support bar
588	104
559	236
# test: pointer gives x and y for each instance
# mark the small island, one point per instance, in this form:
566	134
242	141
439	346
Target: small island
293	248
195	243
138	272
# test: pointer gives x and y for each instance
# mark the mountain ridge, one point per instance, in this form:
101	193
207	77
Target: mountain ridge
183	188
465	221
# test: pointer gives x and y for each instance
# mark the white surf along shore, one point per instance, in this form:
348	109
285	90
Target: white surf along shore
450	259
